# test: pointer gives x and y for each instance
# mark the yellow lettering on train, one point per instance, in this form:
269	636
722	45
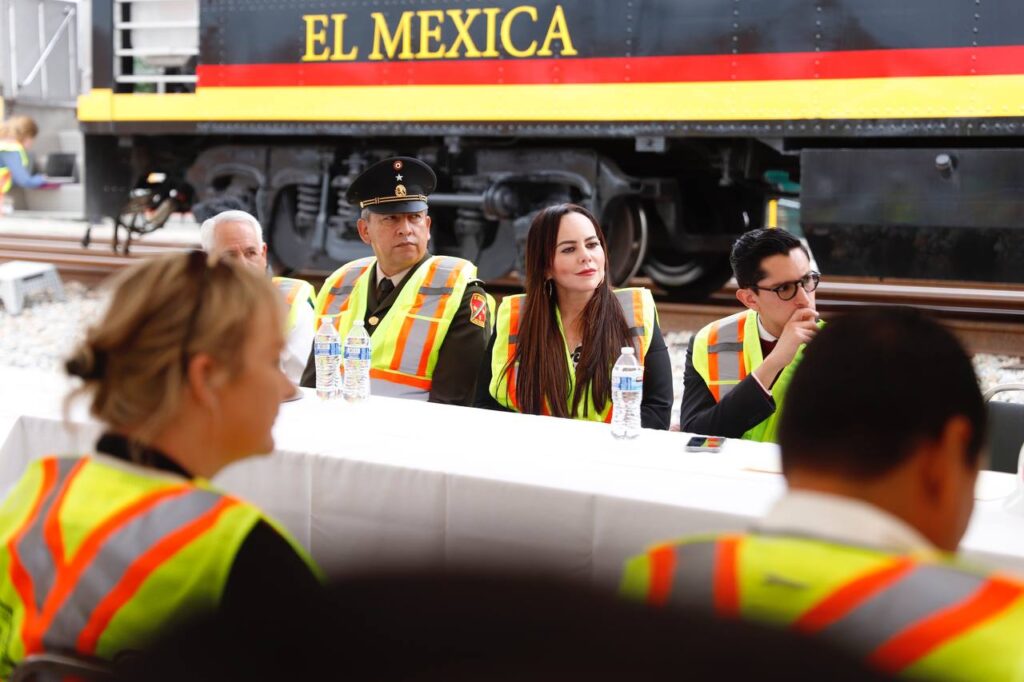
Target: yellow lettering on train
463	37
394	40
430	33
558	30
381	34
506	31
339	54
492	32
316	38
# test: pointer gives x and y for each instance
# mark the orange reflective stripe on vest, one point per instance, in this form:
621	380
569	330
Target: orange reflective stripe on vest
631	301
516	305
338	299
74	599
513	343
695	566
289	289
839	604
725	356
922	608
417	337
892	616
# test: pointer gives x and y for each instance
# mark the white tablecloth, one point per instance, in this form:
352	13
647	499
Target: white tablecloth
392	482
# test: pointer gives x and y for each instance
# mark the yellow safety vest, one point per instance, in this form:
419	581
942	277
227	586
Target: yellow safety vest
5	173
924	617
296	293
726	351
406	342
99	556
641	315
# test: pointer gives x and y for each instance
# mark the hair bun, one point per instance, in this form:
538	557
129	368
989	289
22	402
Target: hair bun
87	363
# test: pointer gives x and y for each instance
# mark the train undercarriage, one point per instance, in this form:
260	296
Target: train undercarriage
670	212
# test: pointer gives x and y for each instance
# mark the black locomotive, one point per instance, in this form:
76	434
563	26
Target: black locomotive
895	127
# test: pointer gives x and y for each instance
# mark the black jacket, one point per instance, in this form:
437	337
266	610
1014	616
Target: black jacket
746	405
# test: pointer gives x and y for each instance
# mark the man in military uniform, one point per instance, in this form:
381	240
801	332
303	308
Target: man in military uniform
881	440
238	236
428	316
738	368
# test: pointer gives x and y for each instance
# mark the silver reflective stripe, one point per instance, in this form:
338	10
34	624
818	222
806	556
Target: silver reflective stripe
693	579
33	551
434	293
730	354
625	299
392	389
342	288
921	592
119	551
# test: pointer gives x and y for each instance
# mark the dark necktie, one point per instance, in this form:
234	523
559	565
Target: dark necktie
385	288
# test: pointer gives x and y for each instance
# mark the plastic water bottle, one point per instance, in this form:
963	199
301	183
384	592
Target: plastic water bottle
356	383
627	392
327	358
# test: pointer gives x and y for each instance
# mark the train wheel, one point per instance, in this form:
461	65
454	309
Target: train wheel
625	223
295	242
693	276
290	247
688	278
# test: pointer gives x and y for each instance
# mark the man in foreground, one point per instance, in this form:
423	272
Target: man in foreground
881	446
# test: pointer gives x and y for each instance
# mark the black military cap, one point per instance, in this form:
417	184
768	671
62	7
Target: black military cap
396	185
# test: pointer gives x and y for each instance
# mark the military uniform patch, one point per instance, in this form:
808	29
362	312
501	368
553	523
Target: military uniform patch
478	310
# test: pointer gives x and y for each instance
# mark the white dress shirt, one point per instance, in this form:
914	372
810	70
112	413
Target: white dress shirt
844	520
298	344
395	278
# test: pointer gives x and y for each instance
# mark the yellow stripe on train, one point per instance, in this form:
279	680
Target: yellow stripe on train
867	98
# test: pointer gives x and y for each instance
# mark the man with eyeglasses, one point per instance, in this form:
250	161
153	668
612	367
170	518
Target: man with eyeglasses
738	368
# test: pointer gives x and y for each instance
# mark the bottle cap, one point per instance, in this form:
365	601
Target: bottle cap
628	350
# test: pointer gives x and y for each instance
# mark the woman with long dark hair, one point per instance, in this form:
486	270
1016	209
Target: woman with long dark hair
554	346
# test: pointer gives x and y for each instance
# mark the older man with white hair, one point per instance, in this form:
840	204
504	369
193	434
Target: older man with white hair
237	235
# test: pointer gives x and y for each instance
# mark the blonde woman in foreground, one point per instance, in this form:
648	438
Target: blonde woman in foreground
101	552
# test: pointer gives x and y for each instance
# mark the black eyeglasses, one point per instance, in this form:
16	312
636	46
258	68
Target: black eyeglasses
787	290
197	266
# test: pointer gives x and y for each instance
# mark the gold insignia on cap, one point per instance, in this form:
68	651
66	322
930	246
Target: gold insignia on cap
397	165
400	191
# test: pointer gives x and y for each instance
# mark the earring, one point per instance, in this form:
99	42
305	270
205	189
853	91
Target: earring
549	287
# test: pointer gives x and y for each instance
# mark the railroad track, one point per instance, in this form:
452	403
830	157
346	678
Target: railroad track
74	262
988	318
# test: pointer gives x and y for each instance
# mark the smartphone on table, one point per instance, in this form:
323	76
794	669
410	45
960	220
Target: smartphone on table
704	444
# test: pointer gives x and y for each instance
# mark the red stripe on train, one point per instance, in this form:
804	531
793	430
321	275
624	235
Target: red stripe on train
951	61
